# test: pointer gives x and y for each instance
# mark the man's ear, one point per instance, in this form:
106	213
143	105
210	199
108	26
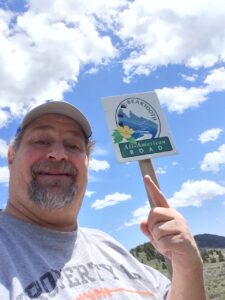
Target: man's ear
11	154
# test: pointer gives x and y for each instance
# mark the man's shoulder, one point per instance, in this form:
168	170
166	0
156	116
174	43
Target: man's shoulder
95	233
3	218
99	236
9	221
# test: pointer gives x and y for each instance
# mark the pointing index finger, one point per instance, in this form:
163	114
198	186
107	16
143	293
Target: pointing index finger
156	195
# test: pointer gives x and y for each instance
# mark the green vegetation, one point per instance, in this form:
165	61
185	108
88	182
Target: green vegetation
214	272
147	255
214	267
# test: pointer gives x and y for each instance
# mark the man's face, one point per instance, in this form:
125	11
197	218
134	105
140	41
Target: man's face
50	166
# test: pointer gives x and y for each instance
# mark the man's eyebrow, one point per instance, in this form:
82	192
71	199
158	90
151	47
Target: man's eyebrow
50	128
41	127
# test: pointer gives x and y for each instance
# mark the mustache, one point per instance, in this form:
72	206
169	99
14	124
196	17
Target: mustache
61	167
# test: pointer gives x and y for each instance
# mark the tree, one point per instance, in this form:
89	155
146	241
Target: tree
221	256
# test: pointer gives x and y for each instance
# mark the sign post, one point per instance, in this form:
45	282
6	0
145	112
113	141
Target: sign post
139	132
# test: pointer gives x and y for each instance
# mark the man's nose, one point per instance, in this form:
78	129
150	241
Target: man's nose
57	152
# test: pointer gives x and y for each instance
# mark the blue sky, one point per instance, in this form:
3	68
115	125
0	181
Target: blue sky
82	51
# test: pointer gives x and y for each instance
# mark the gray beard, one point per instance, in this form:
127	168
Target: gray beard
53	194
50	197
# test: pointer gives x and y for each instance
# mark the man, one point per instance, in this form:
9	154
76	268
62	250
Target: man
46	255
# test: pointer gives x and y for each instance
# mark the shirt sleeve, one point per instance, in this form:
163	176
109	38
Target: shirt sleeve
162	283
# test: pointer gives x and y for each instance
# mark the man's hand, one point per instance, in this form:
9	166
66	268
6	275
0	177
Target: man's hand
168	231
170	235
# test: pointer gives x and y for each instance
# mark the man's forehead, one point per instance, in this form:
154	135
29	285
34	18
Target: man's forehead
55	122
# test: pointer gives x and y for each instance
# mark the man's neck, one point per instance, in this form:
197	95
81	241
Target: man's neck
55	219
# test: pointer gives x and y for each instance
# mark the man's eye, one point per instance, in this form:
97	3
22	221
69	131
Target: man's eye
41	142
72	147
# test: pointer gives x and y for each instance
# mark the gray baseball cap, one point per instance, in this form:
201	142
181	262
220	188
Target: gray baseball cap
56	107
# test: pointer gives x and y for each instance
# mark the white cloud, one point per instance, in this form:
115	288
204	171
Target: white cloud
4	118
4	174
44	48
70	9
110	200
161	170
92	178
194	193
210	135
171	32
180	98
191	78
98	165
174	163
99	151
214	161
89	193
138	215
3	148
93	70
216	80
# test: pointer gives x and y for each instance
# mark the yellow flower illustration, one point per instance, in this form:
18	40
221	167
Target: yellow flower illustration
125	131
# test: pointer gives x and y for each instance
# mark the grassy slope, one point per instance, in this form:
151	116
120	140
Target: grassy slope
214	272
215	280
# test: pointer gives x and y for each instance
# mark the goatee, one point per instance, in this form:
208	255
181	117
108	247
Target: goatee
53	193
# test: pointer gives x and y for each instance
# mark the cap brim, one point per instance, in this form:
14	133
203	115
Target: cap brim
58	107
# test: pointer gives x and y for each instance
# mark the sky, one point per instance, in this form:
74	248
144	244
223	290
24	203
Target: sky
81	51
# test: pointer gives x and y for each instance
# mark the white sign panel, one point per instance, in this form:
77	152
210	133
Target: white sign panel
137	127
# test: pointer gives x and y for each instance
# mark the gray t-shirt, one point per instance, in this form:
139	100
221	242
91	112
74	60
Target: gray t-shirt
38	263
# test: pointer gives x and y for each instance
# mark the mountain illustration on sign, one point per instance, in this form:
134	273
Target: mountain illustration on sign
140	125
131	127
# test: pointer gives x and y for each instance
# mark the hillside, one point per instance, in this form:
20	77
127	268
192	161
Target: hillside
146	251
210	241
212	248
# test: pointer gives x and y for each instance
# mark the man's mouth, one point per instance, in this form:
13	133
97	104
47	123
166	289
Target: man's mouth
64	170
56	174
